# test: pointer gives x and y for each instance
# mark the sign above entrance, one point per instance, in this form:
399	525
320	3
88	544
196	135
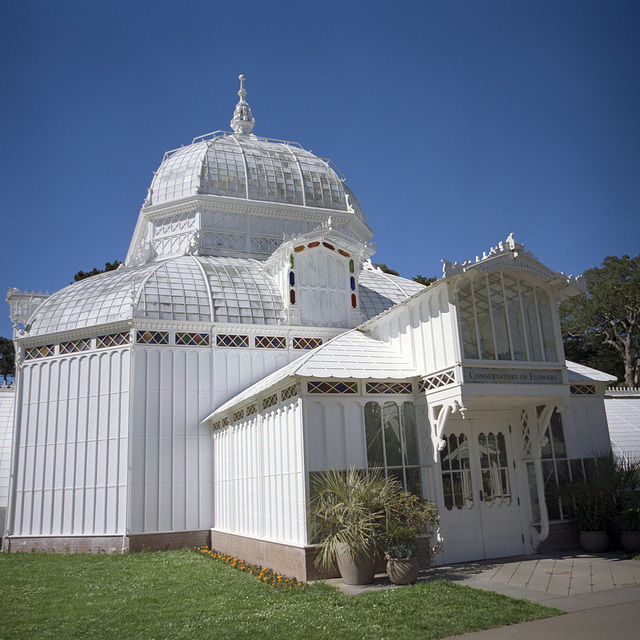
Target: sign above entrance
512	376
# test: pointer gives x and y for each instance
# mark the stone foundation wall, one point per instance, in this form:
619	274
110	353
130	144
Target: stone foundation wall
169	540
112	544
289	560
68	544
285	559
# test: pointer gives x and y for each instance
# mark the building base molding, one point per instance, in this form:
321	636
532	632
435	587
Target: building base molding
162	541
66	544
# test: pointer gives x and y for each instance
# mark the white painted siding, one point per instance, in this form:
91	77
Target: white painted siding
71	473
170	453
7	398
424	330
259	477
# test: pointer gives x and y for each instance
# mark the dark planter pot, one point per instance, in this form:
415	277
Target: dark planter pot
630	540
403	570
357	570
594	541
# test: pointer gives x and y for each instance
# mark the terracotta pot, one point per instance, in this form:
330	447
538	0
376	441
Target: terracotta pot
403	570
357	570
594	541
630	540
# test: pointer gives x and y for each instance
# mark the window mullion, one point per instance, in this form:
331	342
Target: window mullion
539	318
493	328
523	321
479	346
506	314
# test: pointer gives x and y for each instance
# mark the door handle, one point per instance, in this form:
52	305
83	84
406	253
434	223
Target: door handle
481	498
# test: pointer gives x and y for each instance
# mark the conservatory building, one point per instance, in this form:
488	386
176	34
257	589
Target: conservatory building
249	343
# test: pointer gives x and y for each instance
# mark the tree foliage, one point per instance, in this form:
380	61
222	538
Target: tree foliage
383	267
424	280
601	328
7	358
108	266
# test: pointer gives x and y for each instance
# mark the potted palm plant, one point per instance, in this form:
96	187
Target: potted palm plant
346	512
630	529
407	518
589	507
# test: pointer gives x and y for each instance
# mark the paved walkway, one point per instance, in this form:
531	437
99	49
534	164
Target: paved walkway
600	593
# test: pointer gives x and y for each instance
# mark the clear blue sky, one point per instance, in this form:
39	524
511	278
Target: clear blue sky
454	122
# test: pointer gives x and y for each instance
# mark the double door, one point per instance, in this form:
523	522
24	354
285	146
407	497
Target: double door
480	510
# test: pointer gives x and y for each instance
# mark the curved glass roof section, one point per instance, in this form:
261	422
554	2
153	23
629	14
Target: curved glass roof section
246	166
192	289
187	288
380	291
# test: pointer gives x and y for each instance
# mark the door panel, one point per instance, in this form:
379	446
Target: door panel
481	515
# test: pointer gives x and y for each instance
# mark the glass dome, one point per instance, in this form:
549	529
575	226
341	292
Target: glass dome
252	168
189	288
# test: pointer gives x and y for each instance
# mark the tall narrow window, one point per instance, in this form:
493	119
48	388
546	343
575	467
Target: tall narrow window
392	442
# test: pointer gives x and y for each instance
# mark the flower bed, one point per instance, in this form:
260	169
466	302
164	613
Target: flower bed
266	575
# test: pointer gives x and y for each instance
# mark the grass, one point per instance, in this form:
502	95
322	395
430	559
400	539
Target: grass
186	594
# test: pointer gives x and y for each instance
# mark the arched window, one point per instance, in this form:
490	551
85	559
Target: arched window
392	442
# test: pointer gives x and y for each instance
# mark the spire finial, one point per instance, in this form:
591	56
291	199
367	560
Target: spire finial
242	121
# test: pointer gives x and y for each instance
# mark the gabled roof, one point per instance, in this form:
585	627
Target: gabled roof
349	355
582	373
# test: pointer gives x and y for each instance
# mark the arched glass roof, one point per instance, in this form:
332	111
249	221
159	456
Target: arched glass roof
246	166
190	288
380	291
193	289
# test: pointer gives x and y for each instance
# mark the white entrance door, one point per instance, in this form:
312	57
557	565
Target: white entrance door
480	514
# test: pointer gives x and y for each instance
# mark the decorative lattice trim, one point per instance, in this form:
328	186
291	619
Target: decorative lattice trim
225	422
306	343
216	425
583	389
73	346
112	340
269	401
190	339
338	386
437	380
251	409
228	340
389	387
153	337
271	342
526	433
237	415
289	392
44	351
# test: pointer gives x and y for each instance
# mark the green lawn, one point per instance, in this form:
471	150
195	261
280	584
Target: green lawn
185	594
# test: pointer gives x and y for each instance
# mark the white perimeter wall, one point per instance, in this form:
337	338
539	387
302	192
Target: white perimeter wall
71	474
585	427
171	454
259	476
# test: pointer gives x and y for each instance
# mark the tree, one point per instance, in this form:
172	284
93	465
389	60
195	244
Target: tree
108	266
383	267
7	358
424	280
602	326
